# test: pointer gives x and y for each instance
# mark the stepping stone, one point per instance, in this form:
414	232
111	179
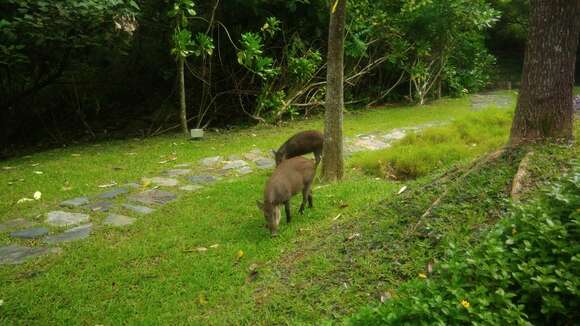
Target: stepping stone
60	218
113	193
235	164
253	155
265	163
139	209
182	165
394	135
119	220
197	179
14	254
154	196
133	185
177	172
190	188
14	224
102	206
370	144
164	182
31	233
211	161
234	158
76	233
75	202
245	170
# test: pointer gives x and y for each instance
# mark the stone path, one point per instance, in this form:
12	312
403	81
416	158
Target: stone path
127	203
483	101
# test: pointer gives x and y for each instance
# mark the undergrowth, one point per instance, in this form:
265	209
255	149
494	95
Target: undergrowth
419	154
525	271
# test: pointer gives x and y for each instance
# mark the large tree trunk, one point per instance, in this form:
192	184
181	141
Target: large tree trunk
332	160
544	110
182	106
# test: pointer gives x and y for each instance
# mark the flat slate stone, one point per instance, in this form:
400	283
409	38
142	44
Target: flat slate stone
14	254
396	134
75	202
265	163
235	164
133	185
32	233
253	155
102	206
177	172
211	161
154	196
199	179
14	224
244	170
139	209
164	182
60	218
191	187
370	144
74	234
119	220
114	193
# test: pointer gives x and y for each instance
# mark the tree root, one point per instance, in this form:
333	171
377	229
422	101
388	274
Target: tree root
474	166
520	177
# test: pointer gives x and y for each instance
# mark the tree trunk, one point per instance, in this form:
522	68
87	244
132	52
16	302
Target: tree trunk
182	106
332	160
544	110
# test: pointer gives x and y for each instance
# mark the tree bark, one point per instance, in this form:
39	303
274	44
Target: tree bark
544	110
181	86
332	159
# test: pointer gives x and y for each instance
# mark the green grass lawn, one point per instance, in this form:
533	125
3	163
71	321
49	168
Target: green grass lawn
150	272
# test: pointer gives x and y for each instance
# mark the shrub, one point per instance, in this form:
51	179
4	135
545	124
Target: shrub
421	153
525	271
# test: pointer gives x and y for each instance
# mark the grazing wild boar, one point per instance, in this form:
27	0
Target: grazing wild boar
289	178
304	142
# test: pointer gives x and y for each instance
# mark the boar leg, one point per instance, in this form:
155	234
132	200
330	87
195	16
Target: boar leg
287	209
317	155
305	197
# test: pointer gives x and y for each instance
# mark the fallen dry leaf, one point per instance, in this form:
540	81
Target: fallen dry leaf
34	164
353	236
201	249
24	200
202	299
107	185
386	296
337	216
214	246
37	195
239	254
422	275
38	172
403	188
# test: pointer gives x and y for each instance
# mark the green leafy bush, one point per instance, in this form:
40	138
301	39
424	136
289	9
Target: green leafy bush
525	271
421	153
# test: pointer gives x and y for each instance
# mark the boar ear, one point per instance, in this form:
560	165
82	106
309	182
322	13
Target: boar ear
260	205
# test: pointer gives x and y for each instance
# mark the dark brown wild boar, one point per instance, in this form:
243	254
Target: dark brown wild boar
304	142
289	178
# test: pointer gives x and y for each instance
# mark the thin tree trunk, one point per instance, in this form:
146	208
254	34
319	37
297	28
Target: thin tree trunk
332	160
544	110
181	86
